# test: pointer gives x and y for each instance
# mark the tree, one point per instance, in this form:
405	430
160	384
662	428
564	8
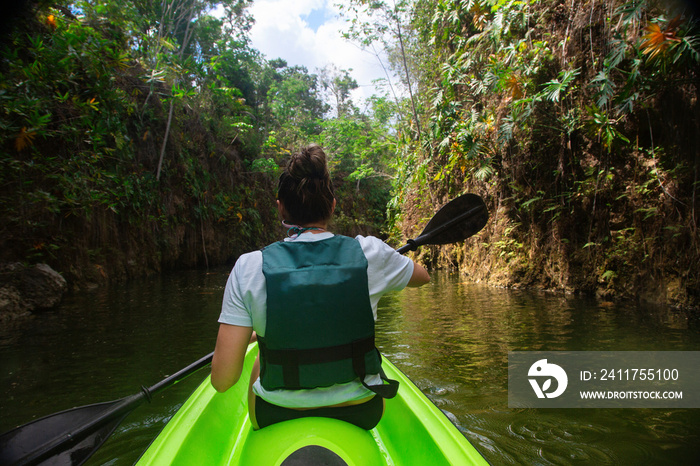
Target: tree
385	24
177	36
296	104
338	84
360	149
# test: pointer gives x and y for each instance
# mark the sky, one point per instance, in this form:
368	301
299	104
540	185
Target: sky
308	33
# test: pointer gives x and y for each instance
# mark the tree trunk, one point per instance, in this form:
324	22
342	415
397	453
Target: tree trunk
165	140
183	46
408	78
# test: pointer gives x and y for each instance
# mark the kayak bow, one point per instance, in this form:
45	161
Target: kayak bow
214	429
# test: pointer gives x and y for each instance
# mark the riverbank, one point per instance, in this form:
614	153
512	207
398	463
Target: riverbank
554	256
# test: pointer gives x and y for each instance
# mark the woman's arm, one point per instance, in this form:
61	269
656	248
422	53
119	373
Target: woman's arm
229	354
420	276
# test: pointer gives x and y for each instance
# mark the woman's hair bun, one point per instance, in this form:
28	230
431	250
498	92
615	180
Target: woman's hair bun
305	187
310	162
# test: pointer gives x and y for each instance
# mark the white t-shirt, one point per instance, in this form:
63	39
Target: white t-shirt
245	305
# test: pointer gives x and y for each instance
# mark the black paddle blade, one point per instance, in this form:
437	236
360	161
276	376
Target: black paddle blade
456	221
71	436
55	440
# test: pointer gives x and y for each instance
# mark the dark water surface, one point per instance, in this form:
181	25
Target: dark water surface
451	338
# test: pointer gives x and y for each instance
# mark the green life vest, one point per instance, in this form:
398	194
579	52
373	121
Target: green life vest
320	326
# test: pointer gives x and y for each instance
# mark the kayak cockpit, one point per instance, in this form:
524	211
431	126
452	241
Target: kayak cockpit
214	429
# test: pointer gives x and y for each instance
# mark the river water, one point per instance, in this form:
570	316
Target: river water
451	338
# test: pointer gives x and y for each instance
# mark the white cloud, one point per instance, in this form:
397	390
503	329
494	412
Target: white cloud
308	33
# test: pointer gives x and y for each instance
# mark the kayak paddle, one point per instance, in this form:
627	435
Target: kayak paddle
457	220
72	436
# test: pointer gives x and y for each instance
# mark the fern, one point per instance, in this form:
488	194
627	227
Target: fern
606	88
555	88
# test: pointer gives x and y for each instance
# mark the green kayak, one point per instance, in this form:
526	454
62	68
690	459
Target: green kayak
213	429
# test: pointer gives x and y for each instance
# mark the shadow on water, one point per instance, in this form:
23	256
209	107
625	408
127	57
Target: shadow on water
451	338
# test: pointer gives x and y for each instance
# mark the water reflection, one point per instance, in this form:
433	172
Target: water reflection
452	339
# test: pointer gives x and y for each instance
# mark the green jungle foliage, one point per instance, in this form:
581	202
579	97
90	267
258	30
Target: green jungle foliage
578	121
146	135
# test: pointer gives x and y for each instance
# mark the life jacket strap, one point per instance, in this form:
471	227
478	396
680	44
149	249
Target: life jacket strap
385	390
292	359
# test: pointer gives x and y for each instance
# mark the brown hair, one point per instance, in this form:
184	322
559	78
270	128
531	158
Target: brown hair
305	188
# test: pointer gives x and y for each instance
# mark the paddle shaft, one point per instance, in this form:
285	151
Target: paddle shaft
181	374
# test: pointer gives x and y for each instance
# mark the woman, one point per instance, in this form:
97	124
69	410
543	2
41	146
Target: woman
311	302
